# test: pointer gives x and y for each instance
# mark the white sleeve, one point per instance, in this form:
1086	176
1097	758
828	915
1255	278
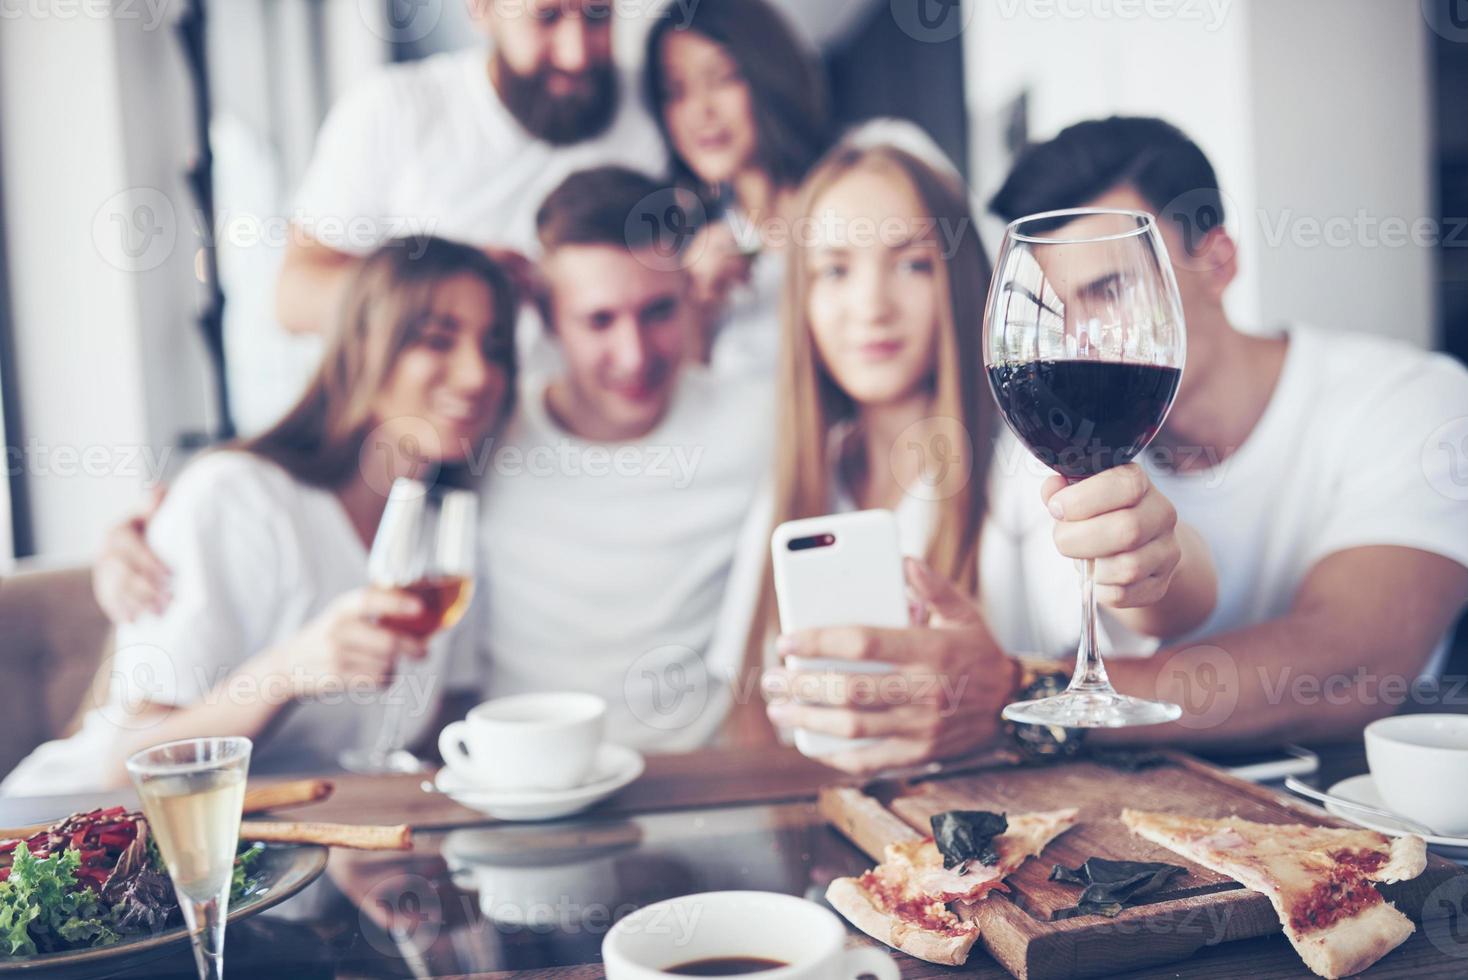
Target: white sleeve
1403	477
344	200
725	655
216	533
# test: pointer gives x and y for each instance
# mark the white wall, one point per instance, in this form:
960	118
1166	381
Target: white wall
1307	108
100	247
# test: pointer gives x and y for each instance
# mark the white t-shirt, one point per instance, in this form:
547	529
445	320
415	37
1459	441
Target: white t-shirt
606	565
255	555
1358	446
428	147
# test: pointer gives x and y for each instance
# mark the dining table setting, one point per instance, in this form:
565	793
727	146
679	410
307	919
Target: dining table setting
732	859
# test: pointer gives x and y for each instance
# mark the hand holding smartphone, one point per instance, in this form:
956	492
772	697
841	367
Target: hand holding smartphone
838	570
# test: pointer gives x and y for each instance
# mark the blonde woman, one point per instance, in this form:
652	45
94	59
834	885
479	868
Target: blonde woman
881	374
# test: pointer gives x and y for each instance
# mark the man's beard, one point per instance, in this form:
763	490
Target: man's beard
558	119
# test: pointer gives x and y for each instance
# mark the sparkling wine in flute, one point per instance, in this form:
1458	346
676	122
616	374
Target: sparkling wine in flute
195	817
193	791
445	599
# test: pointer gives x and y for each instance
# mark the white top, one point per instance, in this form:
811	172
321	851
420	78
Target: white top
255	555
606	565
747	337
1362	443
428	147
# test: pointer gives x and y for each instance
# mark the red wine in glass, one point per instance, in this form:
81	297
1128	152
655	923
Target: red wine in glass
1082	417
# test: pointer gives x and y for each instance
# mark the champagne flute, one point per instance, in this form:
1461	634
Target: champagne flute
425	546
193	792
1084	346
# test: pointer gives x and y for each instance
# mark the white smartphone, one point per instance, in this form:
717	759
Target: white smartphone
839	570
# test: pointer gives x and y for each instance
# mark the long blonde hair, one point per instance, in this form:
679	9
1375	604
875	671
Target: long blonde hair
812	403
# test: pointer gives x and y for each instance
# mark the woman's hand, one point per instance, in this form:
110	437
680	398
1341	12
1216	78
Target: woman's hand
944	699
347	645
1158	574
716	266
128	579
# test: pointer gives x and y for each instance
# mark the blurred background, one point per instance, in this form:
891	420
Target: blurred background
146	143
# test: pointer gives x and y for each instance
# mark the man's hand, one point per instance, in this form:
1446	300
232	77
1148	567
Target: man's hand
128	579
1121	520
944	699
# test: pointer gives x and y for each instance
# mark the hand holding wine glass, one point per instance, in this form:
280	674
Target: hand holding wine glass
1084	345
425	547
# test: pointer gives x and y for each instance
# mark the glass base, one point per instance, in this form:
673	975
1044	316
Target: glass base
374	762
1092	709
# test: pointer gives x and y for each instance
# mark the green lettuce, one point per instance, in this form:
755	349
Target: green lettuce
41	909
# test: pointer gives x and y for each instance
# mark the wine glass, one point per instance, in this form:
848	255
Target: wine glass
424	545
193	792
1084	345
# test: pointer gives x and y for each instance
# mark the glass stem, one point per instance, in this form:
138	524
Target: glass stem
1090	672
390	738
206	921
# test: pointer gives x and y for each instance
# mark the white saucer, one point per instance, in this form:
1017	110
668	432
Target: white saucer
614	768
1361	789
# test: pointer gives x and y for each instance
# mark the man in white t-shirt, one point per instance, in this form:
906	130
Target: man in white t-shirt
1329	473
615	498
463	145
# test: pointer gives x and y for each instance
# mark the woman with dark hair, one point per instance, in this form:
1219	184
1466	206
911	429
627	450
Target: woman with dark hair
272	631
741	101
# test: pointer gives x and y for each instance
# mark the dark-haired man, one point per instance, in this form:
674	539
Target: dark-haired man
463	145
1326	470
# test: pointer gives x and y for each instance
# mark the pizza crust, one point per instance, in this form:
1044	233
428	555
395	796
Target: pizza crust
848	897
1350	945
1347	946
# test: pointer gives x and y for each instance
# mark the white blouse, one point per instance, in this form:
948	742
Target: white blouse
255	555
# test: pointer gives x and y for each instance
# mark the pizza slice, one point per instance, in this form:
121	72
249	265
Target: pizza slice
903	901
1319	879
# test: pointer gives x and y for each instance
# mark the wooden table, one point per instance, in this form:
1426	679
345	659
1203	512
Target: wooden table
477	898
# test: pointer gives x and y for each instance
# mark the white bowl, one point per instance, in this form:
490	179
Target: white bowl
1420	765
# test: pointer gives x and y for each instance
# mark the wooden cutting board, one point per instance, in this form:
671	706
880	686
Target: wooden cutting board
1034	931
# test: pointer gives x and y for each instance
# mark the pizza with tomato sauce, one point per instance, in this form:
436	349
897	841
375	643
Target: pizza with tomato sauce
1321	880
904	901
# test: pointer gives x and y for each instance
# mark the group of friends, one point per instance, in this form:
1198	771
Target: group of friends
638	415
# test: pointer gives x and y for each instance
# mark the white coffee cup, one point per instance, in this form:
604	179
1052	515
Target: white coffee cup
526	741
1419	764
767	925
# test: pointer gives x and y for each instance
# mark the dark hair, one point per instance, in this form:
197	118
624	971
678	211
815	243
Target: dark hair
601	206
1089	158
320	440
786	82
